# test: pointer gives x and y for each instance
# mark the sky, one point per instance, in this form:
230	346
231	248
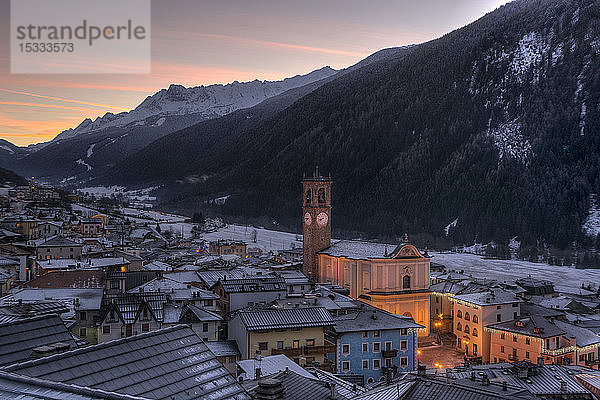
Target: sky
203	42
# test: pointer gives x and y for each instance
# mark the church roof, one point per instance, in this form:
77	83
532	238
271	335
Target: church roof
358	250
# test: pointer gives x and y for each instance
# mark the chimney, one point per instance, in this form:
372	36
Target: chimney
332	387
563	385
257	373
269	389
421	370
504	386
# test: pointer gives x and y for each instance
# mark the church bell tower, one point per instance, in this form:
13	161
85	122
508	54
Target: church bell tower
316	221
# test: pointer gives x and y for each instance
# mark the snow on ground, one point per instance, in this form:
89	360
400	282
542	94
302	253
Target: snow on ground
510	270
139	195
156	216
85	211
266	239
450	225
11	151
81	162
529	54
592	223
90	150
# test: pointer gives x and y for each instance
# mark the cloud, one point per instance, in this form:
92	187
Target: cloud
61	99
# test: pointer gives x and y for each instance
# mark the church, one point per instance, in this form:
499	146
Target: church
394	278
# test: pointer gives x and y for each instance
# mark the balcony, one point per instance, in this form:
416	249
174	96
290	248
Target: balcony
311	350
287	352
389	353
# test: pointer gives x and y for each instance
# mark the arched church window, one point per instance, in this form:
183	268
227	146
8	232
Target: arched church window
467	316
467	330
406	282
459	327
475	318
321	195
308	196
475	332
408	314
459	314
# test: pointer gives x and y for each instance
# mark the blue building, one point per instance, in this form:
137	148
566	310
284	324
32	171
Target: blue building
370	341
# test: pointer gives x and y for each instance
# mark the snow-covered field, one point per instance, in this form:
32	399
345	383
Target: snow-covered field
509	270
266	239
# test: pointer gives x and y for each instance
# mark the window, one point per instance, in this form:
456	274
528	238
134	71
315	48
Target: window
205	327
467	316
403	332
459	327
527	355
403	361
514	338
296	344
376	333
498	307
370	380
388	345
501	349
475	318
365	334
502	336
321	195
459	314
474	333
106	329
145	314
82	316
467	330
345	349
406	282
365	347
365	364
376	347
114	284
403	344
376	363
145	327
263	345
499	318
345	365
310	342
527	341
82	332
388	362
208	302
515	315
280	345
515	304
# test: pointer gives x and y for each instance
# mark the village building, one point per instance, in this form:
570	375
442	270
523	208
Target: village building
394	278
227	247
475	311
298	333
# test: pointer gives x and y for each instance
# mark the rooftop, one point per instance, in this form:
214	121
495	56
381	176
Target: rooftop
256	319
164	364
20	337
534	325
358	250
270	365
68	279
372	320
490	297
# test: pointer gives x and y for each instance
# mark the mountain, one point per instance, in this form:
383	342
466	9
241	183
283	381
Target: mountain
9	177
490	131
79	154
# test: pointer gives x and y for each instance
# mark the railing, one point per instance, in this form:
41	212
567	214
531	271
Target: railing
389	353
557	352
287	352
309	350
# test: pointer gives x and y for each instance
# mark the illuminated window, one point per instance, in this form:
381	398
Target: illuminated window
467	316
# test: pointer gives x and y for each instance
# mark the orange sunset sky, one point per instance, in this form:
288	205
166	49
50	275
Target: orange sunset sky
196	42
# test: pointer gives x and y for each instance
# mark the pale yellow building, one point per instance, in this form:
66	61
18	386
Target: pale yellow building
298	333
475	311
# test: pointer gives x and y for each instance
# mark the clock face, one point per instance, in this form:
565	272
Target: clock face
322	219
307	219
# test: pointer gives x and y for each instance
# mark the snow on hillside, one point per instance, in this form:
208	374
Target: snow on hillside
510	141
591	225
509	270
450	225
211	101
530	53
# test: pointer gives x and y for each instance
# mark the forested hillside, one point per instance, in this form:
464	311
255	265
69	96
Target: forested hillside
494	125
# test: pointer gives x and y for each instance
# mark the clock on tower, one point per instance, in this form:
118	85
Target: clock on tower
316	221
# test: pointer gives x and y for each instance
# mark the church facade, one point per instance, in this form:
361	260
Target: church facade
394	278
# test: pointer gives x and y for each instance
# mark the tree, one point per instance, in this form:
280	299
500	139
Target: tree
198	218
